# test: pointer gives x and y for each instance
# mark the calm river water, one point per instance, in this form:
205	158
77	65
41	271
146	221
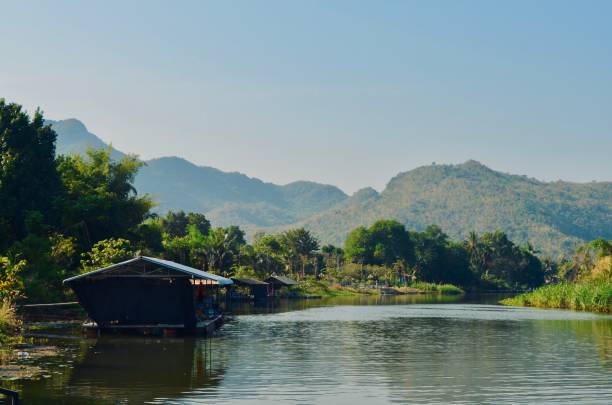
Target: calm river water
353	351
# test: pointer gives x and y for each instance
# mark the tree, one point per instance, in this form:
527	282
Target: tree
268	253
509	265
602	246
101	201
11	283
430	254
175	223
299	244
358	246
105	253
200	222
391	242
383	243
29	181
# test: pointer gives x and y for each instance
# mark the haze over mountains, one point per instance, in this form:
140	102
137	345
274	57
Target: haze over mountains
554	216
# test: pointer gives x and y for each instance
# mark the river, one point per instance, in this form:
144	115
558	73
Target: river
366	350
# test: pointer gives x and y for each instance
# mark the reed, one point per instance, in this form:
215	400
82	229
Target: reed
595	296
8	319
445	289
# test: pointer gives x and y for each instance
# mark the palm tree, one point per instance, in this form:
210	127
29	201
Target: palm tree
299	243
477	252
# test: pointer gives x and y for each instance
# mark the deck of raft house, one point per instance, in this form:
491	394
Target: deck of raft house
146	295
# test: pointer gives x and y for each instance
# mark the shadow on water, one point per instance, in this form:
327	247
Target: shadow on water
127	370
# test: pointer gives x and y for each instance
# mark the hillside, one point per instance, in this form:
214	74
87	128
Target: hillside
554	216
470	196
227	198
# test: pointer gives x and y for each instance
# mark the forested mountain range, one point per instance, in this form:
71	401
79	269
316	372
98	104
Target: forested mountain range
553	216
227	198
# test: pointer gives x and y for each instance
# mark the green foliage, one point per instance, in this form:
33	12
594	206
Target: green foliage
587	296
11	283
437	259
175	224
101	201
298	246
105	253
383	243
555	216
148	237
28	177
445	289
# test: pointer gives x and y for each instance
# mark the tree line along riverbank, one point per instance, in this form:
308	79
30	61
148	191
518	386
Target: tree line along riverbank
64	215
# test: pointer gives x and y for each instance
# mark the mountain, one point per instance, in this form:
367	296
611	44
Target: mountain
554	216
227	198
73	137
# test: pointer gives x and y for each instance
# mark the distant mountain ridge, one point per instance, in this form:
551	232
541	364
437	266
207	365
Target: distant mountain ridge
468	197
554	216
227	198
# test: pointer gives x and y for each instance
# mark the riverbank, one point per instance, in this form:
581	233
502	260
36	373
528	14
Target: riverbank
321	289
588	296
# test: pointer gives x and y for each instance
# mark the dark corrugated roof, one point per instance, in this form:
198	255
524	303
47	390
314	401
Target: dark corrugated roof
160	262
248	281
280	280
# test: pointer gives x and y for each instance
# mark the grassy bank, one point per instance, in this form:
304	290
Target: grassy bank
595	296
320	288
445	289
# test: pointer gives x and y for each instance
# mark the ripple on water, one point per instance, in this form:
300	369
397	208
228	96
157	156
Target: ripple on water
357	355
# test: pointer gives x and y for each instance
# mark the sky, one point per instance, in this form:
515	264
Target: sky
348	93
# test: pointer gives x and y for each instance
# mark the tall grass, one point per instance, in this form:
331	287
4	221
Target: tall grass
446	289
593	296
8	319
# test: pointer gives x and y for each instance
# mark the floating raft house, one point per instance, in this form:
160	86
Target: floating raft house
257	289
150	295
278	282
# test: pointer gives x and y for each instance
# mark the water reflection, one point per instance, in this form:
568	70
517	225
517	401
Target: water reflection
131	370
350	351
277	306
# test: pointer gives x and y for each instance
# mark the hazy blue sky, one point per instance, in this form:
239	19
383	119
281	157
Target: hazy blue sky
342	92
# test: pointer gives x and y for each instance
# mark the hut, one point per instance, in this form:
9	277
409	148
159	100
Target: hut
278	282
150	294
257	289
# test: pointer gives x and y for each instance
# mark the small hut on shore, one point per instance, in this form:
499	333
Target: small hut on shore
149	293
256	289
278	282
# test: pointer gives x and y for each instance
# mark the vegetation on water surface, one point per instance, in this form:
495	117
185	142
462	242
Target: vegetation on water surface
586	282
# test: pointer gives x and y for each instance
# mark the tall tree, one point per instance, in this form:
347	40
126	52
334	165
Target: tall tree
101	201
301	244
28	177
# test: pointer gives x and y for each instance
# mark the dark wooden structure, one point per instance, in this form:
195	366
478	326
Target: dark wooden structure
13	396
278	282
257	289
150	295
